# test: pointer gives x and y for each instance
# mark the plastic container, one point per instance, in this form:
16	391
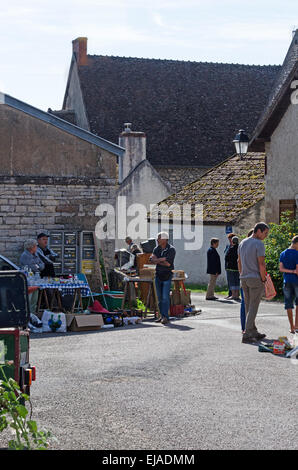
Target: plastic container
278	348
113	299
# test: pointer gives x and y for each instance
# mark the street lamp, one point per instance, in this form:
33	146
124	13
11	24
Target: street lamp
241	143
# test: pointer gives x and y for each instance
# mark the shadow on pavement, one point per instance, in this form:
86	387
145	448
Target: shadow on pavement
146	324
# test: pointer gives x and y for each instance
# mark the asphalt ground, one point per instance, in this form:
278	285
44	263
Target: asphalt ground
190	385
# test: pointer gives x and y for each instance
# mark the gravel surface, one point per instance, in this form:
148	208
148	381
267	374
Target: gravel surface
190	385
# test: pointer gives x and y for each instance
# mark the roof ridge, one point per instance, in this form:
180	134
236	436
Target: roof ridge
180	60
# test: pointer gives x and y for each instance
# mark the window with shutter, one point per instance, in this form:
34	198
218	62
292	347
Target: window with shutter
288	205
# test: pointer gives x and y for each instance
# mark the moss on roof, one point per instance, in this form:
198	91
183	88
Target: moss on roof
225	191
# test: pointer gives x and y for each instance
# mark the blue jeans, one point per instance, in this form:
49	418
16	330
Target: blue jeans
242	311
163	293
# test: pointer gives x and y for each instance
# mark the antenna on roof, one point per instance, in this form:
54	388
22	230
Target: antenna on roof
294	29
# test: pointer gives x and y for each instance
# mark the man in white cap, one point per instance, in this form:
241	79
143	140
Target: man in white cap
163	256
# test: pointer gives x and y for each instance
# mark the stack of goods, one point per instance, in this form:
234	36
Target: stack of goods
180	297
180	302
110	318
282	347
147	272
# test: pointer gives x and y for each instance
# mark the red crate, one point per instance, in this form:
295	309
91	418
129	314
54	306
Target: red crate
177	310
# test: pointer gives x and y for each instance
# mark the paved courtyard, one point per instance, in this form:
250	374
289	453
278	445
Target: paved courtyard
191	385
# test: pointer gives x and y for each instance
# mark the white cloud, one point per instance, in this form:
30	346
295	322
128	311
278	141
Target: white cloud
157	19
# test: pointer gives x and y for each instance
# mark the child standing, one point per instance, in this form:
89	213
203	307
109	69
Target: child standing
289	267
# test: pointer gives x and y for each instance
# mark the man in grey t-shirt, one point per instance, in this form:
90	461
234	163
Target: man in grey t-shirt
252	268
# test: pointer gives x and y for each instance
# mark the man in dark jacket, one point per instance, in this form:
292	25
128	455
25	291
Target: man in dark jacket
213	268
46	255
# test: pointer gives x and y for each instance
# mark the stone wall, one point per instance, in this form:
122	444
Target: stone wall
33	147
50	179
31	205
178	177
250	218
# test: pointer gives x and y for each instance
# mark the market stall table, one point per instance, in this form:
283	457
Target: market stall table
131	293
59	288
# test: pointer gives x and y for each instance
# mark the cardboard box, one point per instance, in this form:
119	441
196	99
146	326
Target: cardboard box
84	322
185	297
175	298
180	297
147	273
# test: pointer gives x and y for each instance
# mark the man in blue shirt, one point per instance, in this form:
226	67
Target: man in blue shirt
289	267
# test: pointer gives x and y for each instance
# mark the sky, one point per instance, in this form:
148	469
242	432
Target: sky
36	36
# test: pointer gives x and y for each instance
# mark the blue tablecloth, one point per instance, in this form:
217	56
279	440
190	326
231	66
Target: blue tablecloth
67	288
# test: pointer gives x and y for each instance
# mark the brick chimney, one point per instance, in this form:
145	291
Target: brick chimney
135	150
79	48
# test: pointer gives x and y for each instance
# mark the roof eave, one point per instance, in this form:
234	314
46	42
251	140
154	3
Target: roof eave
270	122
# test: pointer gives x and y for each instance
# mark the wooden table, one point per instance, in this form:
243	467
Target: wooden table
56	296
130	292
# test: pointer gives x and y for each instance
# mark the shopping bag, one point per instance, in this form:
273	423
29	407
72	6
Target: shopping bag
53	322
270	291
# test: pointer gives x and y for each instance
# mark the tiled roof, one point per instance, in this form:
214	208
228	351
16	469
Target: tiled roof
225	191
68	115
190	111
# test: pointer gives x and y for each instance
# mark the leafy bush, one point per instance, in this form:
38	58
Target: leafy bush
14	415
279	238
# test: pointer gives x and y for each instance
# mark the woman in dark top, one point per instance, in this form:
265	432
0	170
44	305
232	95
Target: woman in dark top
231	263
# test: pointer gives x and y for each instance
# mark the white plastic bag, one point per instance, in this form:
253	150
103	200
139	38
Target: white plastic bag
53	322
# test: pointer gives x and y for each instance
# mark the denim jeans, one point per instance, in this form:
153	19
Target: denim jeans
290	293
242	311
163	293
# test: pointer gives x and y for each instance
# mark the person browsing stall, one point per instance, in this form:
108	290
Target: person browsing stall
252	269
231	265
163	256
46	255
29	257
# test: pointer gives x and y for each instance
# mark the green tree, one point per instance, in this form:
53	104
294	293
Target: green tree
279	238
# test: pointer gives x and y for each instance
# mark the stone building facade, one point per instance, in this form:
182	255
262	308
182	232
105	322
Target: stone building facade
276	134
53	175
